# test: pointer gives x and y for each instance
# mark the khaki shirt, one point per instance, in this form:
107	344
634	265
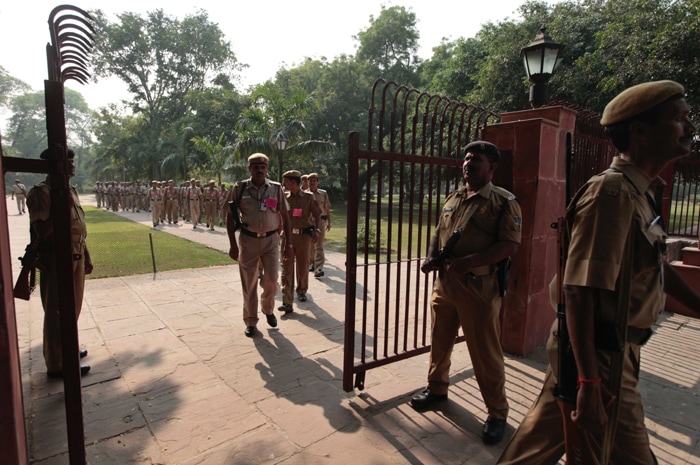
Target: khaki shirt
39	204
599	219
491	215
303	209
260	207
323	201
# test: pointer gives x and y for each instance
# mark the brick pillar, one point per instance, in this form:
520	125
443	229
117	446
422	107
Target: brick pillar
533	144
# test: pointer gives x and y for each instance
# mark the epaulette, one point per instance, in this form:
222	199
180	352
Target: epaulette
504	193
610	182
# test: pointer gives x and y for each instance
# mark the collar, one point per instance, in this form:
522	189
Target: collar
641	181
484	192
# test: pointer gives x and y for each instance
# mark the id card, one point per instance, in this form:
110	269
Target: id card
263	207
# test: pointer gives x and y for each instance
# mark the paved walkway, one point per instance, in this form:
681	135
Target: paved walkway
175	381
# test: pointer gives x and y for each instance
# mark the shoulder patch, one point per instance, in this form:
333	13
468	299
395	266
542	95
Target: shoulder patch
504	193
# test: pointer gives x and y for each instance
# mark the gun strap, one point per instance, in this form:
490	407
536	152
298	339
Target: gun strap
618	358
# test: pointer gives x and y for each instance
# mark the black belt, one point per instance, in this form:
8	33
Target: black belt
258	235
638	336
324	217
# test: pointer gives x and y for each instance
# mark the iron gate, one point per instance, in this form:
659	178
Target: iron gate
396	187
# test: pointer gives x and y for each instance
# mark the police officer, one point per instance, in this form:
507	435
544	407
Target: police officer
39	204
194	194
258	206
211	204
155	197
305	222
318	255
649	125
19	192
466	292
172	202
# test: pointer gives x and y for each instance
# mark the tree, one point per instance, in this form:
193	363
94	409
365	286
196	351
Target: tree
273	115
390	45
10	87
217	155
161	59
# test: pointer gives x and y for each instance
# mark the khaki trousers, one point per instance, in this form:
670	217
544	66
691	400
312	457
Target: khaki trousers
539	440
473	304
302	245
318	255
254	250
195	212
53	353
172	210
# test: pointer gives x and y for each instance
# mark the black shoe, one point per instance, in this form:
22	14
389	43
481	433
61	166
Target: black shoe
311	268
83	353
493	430
84	370
301	297
319	273
426	398
250	331
271	320
286	308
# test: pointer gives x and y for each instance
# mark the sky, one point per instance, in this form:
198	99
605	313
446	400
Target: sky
265	36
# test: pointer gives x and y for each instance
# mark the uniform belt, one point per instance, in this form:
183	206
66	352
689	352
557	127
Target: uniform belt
638	336
482	270
324	217
258	235
309	230
211	200
77	237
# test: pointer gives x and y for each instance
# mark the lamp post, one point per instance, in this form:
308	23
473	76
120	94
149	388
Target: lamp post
281	146
541	57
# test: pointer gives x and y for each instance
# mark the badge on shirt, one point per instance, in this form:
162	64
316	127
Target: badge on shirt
518	221
271	203
296	212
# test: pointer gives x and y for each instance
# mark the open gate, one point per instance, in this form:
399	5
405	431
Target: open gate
396	187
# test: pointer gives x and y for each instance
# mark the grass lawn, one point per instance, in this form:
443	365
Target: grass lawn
120	247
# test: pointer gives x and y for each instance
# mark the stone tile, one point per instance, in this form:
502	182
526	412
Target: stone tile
312	399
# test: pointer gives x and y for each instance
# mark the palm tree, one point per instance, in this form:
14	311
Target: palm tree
272	116
217	154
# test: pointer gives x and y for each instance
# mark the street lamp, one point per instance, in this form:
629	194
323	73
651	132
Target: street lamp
281	146
541	58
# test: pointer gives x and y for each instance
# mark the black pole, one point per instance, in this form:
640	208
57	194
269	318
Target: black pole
153	256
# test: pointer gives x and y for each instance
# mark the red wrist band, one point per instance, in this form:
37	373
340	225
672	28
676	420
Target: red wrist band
582	380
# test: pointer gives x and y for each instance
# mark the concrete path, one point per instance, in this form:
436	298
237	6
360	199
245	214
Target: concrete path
175	381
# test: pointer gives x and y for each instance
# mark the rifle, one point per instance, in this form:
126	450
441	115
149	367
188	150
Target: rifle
503	267
26	281
238	224
444	253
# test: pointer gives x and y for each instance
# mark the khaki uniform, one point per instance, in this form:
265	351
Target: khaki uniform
211	206
193	196
303	209
155	197
19	192
473	302
609	204
39	203
172	203
258	241
318	255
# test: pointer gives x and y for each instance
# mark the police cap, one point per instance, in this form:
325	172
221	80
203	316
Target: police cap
638	99
258	158
483	147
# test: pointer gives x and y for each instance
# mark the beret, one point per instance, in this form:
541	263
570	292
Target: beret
170	180
483	147
304	176
638	99
258	158
211	181
292	174
193	180
313	175
45	154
